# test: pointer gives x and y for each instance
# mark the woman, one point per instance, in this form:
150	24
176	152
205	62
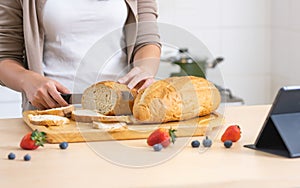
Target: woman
36	38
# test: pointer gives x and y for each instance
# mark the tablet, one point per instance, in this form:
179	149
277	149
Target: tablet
280	134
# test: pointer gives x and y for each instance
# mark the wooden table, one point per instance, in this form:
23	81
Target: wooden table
133	164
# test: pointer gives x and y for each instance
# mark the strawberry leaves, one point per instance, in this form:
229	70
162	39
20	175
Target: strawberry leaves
172	135
38	137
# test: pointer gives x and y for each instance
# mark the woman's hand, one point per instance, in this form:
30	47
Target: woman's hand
146	64
137	78
43	92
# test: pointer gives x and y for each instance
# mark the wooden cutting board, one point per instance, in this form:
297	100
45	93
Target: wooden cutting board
84	132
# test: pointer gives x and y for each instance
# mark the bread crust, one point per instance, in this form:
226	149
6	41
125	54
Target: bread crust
176	98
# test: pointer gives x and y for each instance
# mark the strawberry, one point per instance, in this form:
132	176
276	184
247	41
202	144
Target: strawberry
232	133
162	136
33	140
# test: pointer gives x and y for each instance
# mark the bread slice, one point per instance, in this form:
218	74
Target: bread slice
176	98
47	120
110	127
108	98
88	116
61	111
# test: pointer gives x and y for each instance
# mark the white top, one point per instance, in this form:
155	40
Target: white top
73	29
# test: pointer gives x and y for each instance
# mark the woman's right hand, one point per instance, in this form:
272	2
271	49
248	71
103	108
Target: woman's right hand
43	92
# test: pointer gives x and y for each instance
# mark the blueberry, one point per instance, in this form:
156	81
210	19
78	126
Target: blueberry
207	142
27	157
195	144
11	156
228	143
63	145
157	147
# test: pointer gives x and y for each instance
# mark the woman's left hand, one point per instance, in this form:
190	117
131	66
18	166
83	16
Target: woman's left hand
137	78
146	64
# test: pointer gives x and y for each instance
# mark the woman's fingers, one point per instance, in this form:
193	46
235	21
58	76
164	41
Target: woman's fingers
41	97
38	105
138	78
61	88
52	95
130	75
39	102
135	77
55	94
147	83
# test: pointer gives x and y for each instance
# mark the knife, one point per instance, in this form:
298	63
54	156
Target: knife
127	96
72	98
75	98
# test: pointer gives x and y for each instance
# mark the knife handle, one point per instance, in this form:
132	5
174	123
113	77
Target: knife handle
66	97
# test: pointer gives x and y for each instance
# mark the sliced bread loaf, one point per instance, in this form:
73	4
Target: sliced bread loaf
108	98
88	116
47	120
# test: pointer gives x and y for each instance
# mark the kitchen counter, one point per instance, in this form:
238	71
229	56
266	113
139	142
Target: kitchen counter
89	164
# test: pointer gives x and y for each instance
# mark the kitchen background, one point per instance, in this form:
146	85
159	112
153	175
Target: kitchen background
259	40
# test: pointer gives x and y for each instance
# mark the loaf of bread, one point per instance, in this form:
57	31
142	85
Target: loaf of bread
176	98
109	98
47	120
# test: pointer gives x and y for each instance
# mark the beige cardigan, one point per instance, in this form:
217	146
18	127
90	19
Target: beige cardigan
21	31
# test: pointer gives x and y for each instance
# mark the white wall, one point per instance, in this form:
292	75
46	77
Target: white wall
10	103
285	44
238	30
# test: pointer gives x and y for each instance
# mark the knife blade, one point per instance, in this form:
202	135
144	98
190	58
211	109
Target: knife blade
75	98
127	96
72	98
